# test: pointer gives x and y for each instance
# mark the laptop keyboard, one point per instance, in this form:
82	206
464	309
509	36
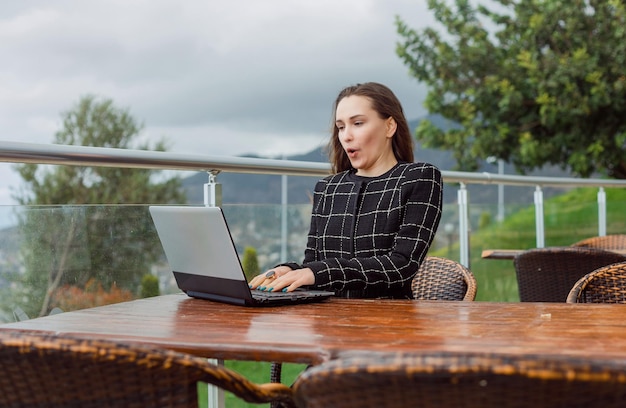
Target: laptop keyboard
296	294
259	294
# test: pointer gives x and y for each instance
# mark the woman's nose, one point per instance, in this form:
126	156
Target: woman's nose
346	133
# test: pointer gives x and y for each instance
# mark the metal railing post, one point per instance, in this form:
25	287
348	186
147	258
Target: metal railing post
283	218
213	190
500	216
463	226
601	212
213	198
539	227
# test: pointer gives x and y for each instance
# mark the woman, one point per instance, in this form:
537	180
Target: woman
374	219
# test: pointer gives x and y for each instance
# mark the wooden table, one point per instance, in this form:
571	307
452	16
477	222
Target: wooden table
511	253
318	332
500	253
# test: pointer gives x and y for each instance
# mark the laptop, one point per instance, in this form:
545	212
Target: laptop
202	255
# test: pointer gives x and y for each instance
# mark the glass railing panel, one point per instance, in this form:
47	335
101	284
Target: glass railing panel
566	222
72	257
496	278
261	228
615	220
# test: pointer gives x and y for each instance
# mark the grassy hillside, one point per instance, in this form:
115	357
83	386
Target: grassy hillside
568	218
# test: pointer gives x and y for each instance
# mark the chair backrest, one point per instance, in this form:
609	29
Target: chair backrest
60	371
548	274
608	242
443	279
437	279
604	285
448	380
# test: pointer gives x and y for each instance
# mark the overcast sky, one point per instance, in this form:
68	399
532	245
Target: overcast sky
212	77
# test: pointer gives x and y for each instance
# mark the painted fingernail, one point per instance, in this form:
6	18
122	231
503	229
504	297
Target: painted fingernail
284	290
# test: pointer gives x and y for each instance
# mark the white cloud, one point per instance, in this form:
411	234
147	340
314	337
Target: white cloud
213	77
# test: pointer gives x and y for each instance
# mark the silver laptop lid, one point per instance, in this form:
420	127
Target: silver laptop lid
196	241
203	258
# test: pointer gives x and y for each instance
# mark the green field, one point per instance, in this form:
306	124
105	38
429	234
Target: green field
258	372
568	218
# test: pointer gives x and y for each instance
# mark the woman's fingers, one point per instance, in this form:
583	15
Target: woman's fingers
282	278
263	280
257	281
288	281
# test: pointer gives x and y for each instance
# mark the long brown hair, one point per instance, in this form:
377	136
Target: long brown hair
387	105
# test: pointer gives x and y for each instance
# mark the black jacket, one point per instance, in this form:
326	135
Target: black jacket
369	235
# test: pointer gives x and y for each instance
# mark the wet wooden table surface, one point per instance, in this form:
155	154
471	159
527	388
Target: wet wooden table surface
317	332
500	253
512	253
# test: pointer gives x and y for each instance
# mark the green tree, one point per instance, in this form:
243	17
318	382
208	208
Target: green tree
535	82
90	238
250	262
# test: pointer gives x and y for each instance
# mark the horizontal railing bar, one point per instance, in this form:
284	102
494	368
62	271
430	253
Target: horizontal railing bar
517	180
18	152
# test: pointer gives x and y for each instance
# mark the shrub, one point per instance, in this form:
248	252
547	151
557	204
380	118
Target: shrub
250	263
149	286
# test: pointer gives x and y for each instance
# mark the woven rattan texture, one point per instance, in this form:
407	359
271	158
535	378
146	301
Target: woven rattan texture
58	371
610	242
604	285
443	279
461	381
548	274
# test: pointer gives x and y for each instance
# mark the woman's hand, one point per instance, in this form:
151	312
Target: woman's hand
282	278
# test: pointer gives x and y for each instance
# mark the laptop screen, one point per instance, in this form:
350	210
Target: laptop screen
202	255
196	241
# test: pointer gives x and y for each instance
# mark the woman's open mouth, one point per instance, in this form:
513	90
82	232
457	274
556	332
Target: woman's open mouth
351	152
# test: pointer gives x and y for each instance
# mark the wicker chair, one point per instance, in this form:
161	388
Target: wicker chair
443	279
608	242
40	370
548	274
604	285
461	380
437	279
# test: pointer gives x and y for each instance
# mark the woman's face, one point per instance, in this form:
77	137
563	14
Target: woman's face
365	136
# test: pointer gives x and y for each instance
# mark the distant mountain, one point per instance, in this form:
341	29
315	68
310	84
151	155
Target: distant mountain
241	188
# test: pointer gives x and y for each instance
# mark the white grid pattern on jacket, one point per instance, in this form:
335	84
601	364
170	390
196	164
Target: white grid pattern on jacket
368	236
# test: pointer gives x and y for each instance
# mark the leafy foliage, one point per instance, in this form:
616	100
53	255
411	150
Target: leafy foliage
71	234
535	82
